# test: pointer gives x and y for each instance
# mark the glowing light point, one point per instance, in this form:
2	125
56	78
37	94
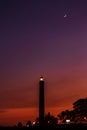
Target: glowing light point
34	123
41	78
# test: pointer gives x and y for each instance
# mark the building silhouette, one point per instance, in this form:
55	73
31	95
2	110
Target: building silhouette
41	101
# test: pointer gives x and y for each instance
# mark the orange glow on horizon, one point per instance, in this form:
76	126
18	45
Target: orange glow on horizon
13	116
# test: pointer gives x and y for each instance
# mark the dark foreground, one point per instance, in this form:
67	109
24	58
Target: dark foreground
56	127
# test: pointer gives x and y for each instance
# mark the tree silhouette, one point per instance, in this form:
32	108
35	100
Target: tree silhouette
19	125
50	119
64	115
78	114
37	121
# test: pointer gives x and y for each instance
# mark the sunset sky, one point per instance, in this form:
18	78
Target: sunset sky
41	37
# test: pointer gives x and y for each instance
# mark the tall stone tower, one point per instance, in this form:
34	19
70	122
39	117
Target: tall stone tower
41	101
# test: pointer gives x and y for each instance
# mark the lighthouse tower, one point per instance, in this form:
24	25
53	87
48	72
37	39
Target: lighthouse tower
41	101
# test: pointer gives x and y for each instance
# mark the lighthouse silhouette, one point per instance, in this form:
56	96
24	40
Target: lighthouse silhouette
41	101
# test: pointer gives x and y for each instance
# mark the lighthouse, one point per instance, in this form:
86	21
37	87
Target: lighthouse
41	101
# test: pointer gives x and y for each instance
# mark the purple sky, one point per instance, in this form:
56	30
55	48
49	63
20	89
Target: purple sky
35	40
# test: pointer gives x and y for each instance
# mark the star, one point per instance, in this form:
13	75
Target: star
65	16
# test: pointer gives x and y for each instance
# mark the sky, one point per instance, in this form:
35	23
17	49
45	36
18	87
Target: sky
43	37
